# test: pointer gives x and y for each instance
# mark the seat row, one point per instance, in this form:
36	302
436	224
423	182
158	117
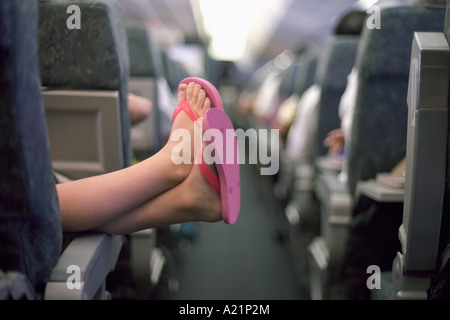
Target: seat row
382	196
65	116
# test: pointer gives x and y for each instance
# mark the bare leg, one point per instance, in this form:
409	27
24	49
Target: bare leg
192	200
90	202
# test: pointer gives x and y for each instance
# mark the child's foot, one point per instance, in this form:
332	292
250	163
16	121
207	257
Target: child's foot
182	134
200	201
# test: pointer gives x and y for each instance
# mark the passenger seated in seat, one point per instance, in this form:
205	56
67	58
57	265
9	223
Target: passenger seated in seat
152	193
337	139
299	144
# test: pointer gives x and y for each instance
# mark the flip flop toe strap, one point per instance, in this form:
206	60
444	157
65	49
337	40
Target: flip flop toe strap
209	175
186	107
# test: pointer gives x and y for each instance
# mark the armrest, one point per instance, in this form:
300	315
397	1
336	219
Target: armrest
379	192
15	286
86	262
328	184
328	163
335	197
336	216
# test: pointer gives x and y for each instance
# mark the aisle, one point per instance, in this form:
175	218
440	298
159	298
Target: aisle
242	261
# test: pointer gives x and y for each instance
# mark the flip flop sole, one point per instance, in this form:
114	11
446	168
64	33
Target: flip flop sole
228	166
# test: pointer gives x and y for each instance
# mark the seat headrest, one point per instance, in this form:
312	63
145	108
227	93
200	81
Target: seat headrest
336	60
94	56
140	51
382	52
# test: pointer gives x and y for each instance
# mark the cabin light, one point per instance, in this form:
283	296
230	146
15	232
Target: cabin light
230	25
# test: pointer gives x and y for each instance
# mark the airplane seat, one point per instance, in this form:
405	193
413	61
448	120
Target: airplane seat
148	258
268	85
288	82
85	77
333	66
153	75
441	280
85	74
331	77
378	141
420	268
328	71
144	135
304	79
378	136
33	262
165	99
295	79
305	69
283	92
174	70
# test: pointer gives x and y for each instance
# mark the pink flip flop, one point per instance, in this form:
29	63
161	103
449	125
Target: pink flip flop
227	180
211	93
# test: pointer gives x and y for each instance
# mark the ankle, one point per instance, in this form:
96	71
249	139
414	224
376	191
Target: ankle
199	207
175	172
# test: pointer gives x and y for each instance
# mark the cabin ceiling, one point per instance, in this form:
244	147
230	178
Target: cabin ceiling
305	22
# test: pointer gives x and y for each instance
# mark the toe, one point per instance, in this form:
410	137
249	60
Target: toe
201	99
206	105
182	92
195	94
190	92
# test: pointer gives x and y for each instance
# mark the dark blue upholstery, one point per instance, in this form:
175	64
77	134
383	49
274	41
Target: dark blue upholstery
146	60
378	139
93	57
140	52
30	223
335	64
306	65
287	80
174	71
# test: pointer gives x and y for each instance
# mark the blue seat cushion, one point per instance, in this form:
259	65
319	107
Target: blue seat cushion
30	222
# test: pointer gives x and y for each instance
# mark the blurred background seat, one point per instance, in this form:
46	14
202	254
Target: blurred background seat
377	144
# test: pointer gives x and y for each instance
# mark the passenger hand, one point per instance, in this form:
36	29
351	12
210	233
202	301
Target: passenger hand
335	141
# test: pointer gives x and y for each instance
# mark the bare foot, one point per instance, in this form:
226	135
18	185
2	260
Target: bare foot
200	103
200	201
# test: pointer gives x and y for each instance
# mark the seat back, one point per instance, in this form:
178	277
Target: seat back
336	62
378	138
30	223
304	70
93	59
164	101
174	71
441	278
426	159
306	79
144	135
421	269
